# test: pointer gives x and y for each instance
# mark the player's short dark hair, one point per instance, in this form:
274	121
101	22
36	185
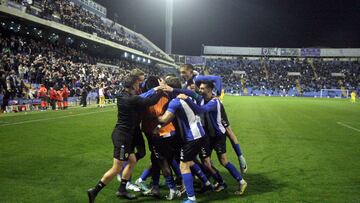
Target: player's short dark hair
208	84
173	82
129	81
151	82
187	66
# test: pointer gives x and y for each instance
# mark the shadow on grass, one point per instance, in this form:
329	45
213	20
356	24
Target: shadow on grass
260	183
257	184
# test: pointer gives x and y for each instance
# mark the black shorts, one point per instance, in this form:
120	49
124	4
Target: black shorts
138	141
205	150
165	148
123	145
217	143
189	150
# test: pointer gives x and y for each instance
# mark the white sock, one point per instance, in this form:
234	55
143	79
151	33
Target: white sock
207	183
242	181
140	180
172	190
192	198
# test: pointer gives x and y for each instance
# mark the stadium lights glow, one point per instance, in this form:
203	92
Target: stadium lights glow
149	61
125	54
132	56
144	60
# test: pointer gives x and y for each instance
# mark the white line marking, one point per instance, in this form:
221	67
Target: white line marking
26	113
348	126
46	119
3	122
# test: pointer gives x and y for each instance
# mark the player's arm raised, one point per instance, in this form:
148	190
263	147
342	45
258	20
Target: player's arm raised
210	106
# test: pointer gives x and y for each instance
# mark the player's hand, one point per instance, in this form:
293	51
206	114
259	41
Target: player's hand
159	88
161	81
167	88
182	96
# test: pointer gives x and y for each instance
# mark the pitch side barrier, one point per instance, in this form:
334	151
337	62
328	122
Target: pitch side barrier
305	95
26	105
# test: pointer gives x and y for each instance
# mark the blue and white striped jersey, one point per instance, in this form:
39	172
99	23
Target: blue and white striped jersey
188	120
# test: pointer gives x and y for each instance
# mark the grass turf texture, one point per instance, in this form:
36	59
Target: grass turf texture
295	148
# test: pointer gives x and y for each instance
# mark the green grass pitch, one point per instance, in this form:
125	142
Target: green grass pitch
297	149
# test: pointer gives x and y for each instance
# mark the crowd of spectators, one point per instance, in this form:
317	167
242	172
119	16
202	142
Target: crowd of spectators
70	14
25	63
265	74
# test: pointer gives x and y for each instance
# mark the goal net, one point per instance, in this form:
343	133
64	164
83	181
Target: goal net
334	93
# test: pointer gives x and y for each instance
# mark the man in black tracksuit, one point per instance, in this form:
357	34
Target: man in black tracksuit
129	104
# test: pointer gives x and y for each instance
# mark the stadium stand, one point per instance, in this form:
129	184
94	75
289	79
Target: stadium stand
285	76
68	13
32	55
26	63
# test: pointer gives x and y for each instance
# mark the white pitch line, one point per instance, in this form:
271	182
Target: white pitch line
46	119
348	126
26	113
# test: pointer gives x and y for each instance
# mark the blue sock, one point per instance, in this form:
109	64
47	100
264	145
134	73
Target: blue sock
237	149
233	171
189	185
199	173
218	177
145	174
176	168
155	178
170	182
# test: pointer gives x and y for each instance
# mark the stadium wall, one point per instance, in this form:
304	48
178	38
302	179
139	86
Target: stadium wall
278	52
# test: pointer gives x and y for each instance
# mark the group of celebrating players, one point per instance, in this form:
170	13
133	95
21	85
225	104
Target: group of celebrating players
183	124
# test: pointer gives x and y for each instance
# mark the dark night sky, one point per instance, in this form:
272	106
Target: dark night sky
253	23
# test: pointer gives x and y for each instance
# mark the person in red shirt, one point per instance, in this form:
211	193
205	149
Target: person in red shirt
42	94
53	98
65	95
59	98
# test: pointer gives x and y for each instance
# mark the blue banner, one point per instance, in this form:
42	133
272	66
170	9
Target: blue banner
310	52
